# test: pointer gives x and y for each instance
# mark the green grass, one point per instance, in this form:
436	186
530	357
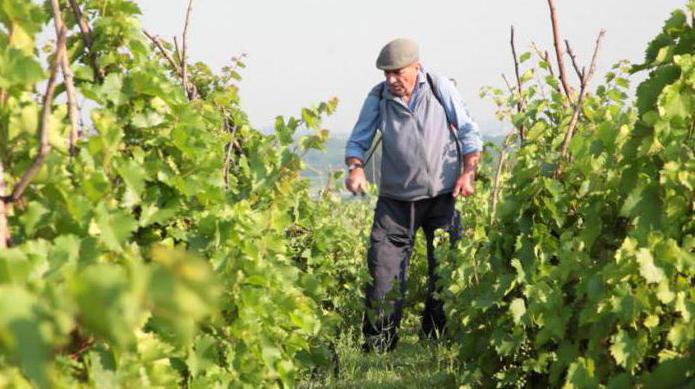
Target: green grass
413	364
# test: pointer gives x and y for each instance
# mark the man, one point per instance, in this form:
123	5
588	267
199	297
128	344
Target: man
421	177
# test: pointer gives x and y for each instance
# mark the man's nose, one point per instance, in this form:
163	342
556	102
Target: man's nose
391	79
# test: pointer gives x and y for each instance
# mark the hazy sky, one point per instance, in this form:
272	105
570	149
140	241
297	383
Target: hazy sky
302	52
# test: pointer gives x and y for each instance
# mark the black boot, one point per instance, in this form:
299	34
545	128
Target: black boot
433	319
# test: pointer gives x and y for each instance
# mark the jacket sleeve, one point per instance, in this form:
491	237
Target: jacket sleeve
363	133
457	112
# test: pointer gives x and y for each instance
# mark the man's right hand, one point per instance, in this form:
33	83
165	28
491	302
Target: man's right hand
356	182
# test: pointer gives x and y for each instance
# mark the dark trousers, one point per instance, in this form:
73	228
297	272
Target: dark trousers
391	245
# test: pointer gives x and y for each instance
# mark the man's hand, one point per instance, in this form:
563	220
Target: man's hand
464	185
356	182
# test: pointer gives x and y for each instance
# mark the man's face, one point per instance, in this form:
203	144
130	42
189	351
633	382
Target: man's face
401	81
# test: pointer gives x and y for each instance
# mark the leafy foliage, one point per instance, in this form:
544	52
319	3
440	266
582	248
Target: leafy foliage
586	279
178	245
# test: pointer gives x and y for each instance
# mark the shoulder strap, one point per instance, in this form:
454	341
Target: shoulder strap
435	92
452	127
378	90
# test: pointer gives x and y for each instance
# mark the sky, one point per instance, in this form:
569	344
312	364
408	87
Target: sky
302	52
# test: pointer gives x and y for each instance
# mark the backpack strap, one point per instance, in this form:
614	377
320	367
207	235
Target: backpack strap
377	91
435	92
452	127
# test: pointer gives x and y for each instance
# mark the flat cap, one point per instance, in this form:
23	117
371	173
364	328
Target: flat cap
397	54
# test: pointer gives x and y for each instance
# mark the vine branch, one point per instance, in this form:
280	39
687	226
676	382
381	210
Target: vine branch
520	103
177	50
544	56
158	44
4	225
73	110
498	175
509	85
44	146
582	93
580	73
189	89
85	29
228	162
87	38
558	51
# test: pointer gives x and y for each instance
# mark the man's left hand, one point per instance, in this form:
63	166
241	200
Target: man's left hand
464	185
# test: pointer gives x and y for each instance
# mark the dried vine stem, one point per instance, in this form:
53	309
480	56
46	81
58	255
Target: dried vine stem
87	38
558	52
177	50
498	175
580	73
578	107
227	164
509	85
85	29
4	225
158	44
179	59
44	146
228	161
545	57
73	110
520	103
189	89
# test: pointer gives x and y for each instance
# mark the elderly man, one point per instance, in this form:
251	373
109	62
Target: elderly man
426	131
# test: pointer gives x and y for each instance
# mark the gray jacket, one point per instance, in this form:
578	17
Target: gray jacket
419	152
419	158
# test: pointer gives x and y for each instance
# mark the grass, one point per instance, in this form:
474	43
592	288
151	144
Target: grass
413	364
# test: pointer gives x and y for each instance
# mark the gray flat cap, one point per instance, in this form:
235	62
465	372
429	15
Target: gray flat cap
397	54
